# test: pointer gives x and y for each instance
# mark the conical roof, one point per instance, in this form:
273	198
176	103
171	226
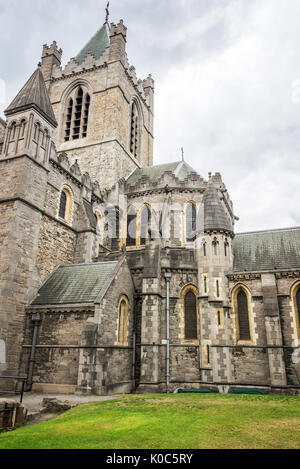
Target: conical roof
33	95
215	217
96	46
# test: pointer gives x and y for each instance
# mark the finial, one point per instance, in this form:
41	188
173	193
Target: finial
107	13
182	154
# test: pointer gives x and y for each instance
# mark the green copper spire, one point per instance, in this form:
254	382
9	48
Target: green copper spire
96	46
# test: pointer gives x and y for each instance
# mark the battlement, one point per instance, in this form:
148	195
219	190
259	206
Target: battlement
119	28
52	50
148	82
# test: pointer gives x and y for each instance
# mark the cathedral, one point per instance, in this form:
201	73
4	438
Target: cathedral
117	275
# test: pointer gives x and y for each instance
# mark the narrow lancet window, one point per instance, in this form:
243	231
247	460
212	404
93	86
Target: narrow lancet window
190	316
190	223
63	205
131	228
145	225
243	316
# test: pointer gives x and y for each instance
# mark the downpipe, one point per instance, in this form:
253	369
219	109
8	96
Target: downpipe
36	319
168	279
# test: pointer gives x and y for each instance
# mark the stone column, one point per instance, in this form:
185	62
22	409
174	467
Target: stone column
273	331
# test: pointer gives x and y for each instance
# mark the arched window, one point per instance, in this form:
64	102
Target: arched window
191	223
22	131
100	228
298	306
243	315
226	247
215	246
145	224
134	131
65	205
77	115
12	133
204	249
190	316
131	228
37	129
123	321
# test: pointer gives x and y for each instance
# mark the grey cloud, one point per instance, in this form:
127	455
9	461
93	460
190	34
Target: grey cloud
227	74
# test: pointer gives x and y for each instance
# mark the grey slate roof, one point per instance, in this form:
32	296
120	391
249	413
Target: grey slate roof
33	95
96	46
215	217
75	284
267	250
2	122
180	169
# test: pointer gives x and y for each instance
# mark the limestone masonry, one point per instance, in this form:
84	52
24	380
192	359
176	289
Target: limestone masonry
120	276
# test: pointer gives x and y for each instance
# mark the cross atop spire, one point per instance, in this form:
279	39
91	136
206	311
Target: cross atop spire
182	154
107	13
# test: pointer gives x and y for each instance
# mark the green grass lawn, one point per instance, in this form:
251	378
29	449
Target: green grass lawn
180	421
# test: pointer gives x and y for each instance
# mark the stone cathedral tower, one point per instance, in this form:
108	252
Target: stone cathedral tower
95	98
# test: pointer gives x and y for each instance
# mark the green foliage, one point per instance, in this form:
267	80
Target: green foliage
180	421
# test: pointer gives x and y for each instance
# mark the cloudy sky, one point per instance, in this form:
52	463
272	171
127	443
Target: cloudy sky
227	78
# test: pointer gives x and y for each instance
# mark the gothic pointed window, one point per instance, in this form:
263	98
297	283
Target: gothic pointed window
77	115
145	224
131	228
298	305
65	205
190	223
215	246
12	134
123	321
190	316
134	131
243	316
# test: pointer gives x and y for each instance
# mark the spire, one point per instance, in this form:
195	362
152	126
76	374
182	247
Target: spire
215	217
96	46
33	95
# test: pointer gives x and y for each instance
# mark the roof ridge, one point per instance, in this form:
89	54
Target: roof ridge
275	230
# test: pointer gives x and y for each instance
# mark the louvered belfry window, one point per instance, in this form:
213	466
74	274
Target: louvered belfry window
243	316
131	228
190	314
298	304
77	115
190	223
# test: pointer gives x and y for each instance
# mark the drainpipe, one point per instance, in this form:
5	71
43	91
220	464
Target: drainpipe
168	278
36	318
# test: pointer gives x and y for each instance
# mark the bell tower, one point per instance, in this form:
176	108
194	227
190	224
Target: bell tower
104	112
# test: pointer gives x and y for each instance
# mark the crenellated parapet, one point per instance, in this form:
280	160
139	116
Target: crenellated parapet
52	50
62	163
